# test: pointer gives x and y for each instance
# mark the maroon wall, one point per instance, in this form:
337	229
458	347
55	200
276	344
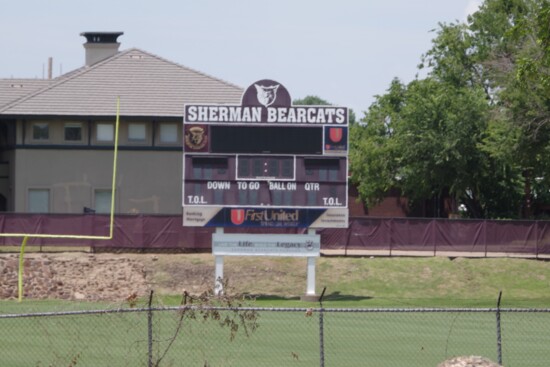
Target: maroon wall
364	233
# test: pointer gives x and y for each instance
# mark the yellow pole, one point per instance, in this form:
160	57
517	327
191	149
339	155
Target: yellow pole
34	235
113	196
21	266
115	157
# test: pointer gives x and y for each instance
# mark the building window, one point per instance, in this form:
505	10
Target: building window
73	131
248	197
243	167
168	133
39	201
103	201
136	132
311	198
40	131
105	132
277	197
218	197
328	174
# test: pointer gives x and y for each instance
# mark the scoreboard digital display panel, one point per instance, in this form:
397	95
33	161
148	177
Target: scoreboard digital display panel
266	139
265	180
265	163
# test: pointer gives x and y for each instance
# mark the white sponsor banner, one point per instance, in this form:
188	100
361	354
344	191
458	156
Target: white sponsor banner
216	114
233	244
198	216
332	218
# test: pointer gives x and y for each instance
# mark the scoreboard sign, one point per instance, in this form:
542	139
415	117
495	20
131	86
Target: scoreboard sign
265	162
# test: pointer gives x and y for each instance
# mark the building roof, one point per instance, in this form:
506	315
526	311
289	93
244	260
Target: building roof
13	89
147	85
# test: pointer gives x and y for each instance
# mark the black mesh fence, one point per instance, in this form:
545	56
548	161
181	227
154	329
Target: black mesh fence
144	335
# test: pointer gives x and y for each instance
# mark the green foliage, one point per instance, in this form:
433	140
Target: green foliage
310	101
477	128
318	101
373	161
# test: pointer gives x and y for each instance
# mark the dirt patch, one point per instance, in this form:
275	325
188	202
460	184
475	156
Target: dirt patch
468	361
114	277
171	274
73	276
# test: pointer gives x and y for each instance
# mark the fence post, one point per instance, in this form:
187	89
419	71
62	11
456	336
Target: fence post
537	239
321	330
391	235
150	331
499	335
433	225
485	235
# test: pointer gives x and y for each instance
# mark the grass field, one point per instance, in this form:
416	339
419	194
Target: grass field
376	339
384	338
385	282
355	281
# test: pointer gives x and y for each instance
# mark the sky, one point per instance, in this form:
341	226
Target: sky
345	52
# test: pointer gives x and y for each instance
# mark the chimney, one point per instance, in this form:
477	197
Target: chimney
50	67
100	45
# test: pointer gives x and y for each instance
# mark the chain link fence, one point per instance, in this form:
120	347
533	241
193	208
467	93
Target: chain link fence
189	335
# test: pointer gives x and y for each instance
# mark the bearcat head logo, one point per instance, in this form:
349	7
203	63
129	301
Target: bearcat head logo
266	95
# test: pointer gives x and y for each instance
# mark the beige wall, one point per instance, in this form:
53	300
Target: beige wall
149	176
24	132
147	181
7	178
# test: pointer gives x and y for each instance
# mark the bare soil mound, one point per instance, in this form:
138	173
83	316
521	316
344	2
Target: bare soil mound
468	361
114	277
73	276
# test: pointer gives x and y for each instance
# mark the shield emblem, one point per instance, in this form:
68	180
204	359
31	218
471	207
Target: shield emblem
196	137
335	134
237	216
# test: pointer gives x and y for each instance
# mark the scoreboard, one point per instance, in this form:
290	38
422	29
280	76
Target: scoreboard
265	163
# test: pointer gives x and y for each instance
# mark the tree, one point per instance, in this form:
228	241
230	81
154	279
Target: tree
477	127
374	160
516	37
311	101
423	139
318	101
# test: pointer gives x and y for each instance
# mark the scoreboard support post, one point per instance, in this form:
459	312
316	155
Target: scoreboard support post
310	290
218	273
218	284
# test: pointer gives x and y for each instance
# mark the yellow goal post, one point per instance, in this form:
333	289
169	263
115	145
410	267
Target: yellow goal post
26	236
